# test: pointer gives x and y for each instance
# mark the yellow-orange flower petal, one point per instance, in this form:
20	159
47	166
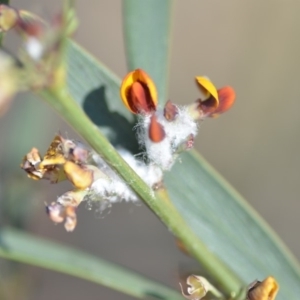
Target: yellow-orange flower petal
208	89
80	176
156	130
138	92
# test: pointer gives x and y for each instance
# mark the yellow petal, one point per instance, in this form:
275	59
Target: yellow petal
80	176
207	87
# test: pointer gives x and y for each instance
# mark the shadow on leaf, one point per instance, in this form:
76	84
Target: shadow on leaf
118	129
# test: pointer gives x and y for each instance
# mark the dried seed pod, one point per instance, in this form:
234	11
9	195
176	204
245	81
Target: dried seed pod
138	92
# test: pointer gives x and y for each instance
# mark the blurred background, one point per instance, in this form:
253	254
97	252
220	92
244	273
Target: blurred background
253	46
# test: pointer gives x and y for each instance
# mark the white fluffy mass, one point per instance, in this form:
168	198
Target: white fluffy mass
164	153
114	189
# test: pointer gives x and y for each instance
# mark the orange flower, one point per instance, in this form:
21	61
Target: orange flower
138	92
213	101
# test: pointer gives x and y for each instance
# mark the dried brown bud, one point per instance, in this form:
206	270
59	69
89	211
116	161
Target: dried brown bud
29	163
170	111
49	167
59	213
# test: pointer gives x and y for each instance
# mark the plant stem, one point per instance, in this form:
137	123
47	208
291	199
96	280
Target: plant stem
63	103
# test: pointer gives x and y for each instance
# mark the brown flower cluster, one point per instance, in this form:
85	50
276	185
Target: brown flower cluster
64	160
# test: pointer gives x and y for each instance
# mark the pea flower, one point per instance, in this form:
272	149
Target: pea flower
165	132
138	92
213	102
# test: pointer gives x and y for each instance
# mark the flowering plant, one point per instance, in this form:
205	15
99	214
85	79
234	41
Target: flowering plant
100	174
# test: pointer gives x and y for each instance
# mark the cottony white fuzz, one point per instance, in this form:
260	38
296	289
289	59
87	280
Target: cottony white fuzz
112	190
151	174
164	153
115	189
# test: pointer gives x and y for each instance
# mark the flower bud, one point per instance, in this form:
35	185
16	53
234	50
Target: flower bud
156	130
265	290
29	24
198	287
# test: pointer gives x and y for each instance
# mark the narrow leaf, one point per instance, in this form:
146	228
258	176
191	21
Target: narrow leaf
229	226
23	247
148	46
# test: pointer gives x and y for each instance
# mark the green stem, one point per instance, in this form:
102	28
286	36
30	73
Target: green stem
63	103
